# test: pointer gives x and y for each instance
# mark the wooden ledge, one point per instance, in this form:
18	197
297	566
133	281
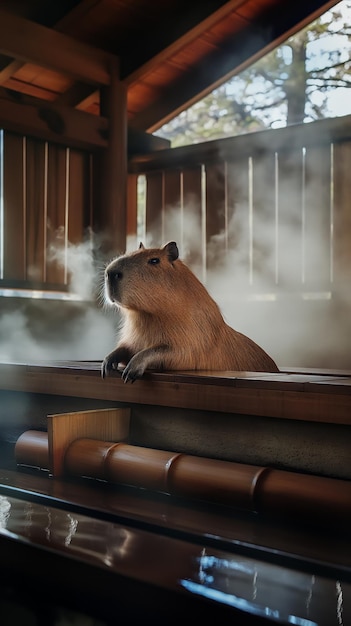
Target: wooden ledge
297	395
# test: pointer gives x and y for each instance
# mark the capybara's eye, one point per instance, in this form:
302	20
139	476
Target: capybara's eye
154	260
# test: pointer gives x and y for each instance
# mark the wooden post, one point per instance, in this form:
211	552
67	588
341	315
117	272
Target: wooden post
112	212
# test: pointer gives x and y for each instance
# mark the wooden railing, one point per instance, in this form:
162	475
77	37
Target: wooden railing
274	202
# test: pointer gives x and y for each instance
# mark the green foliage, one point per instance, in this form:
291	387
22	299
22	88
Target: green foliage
291	84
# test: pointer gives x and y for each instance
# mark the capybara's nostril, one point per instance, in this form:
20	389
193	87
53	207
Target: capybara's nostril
114	275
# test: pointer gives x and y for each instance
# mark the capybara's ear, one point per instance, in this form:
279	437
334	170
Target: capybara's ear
141	246
172	250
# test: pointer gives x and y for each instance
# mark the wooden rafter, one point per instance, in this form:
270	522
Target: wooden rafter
235	54
27	41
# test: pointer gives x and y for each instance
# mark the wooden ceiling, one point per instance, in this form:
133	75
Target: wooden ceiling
171	52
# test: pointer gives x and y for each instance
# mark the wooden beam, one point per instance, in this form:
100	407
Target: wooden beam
78	94
27	41
32	116
113	209
183	41
9	70
58	123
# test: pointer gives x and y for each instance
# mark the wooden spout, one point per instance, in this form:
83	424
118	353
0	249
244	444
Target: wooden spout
249	487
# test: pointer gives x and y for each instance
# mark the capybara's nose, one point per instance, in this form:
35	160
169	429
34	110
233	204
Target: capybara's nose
113	275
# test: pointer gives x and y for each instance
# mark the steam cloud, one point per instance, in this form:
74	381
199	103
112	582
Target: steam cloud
77	328
270	291
256	276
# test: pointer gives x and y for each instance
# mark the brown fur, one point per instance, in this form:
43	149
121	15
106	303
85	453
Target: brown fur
170	320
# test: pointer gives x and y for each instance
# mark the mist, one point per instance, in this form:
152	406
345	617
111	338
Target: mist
272	278
62	326
261	276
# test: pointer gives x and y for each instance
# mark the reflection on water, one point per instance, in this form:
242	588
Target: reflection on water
310	594
48	526
5	508
94	538
72	528
268	590
339	603
280	593
254	584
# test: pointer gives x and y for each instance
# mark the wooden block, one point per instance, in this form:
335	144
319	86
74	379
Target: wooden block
63	428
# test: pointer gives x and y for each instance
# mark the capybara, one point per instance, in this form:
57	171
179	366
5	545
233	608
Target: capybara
170	321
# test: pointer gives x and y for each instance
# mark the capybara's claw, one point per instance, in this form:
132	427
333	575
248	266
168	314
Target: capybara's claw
105	368
108	365
130	374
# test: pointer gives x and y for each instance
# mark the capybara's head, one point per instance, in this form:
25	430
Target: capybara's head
143	280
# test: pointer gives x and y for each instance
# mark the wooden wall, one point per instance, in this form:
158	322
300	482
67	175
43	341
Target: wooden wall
47	203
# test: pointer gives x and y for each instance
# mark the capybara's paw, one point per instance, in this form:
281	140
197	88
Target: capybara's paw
132	372
108	365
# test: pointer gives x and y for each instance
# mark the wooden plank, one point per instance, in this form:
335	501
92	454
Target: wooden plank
319	133
30	42
78	197
317	219
262	227
142	143
9	70
182	41
192	249
14	208
172	217
342	218
290	220
36	202
154	208
215	213
56	212
132	211
63	428
234	393
238	219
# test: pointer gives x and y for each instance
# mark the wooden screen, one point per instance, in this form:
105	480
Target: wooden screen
264	220
46	207
280	198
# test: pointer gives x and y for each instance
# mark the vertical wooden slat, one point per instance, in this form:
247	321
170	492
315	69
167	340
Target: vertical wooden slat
238	221
172	219
14	217
78	196
215	212
317	249
154	208
263	223
132	211
35	209
342	219
290	197
56	219
191	236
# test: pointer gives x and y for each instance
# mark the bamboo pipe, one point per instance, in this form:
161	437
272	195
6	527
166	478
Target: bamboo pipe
258	489
32	448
